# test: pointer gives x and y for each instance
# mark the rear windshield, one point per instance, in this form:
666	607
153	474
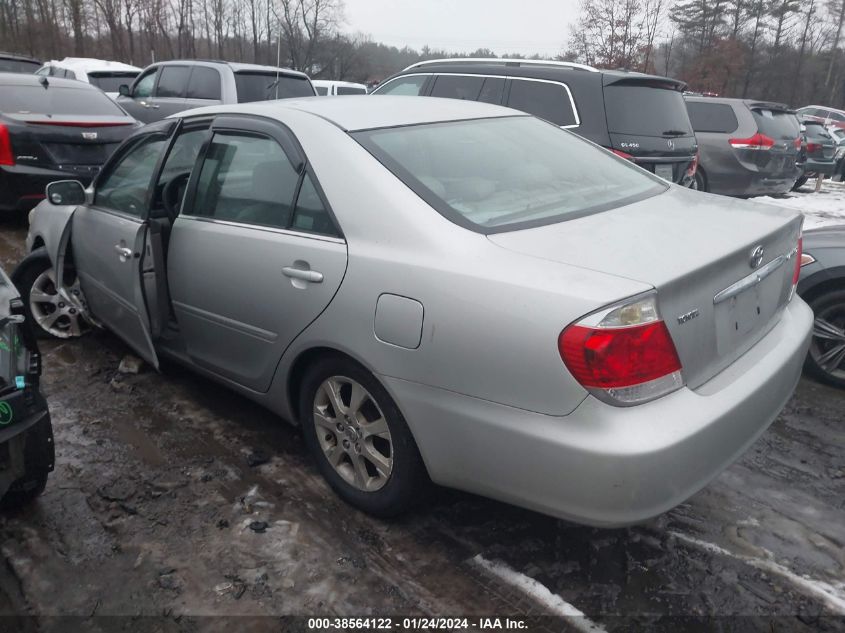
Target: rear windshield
776	124
265	86
493	175
56	100
646	111
18	66
110	82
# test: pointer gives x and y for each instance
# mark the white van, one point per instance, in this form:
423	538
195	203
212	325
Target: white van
326	88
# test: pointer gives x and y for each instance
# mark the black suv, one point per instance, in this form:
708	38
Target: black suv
639	117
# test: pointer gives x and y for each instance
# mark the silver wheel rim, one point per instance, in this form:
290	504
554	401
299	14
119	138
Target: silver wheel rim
52	310
828	345
353	433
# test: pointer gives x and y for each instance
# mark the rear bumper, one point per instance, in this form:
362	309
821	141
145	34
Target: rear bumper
22	186
825	167
604	465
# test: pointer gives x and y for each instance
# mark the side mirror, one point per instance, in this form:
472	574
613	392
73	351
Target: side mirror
66	192
123	90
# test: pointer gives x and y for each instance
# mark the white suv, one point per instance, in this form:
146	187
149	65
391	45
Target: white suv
106	75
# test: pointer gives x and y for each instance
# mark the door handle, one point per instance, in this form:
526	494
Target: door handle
124	252
311	276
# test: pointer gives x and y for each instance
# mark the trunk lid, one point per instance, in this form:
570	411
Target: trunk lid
691	248
779	124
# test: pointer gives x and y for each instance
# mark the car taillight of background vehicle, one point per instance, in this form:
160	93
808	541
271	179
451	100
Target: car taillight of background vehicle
6	155
624	355
693	165
622	154
758	141
797	143
813	147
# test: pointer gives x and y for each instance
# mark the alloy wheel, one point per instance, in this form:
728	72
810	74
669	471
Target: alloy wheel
828	345
353	433
55	311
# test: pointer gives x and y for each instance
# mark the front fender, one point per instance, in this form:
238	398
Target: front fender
50	224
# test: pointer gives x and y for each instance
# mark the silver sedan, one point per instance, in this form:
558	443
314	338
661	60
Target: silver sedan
440	291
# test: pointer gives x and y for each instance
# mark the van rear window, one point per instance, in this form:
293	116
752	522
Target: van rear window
645	111
776	124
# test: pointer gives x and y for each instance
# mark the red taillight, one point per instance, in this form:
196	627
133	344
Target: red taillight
758	141
813	147
797	272
82	123
622	154
618	357
797	143
6	156
693	166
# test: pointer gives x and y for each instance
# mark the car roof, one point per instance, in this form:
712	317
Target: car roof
236	67
92	65
355	112
24	58
24	79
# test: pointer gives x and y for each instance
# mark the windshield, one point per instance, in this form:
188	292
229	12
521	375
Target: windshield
18	66
110	82
266	86
500	174
57	100
646	111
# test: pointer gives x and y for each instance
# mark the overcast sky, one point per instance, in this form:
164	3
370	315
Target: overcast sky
515	26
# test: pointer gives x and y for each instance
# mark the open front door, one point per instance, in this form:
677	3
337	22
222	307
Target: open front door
111	242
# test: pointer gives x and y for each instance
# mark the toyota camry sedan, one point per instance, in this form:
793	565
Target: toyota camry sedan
439	290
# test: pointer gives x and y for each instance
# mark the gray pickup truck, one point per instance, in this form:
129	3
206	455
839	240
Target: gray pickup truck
166	88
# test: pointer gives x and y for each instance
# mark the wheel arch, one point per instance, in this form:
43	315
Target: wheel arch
822	282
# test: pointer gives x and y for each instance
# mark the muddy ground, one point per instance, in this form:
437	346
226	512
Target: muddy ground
175	498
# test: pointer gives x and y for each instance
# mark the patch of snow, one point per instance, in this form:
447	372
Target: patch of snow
823	208
539	592
832	595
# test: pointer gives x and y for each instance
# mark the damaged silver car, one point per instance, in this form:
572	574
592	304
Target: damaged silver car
439	290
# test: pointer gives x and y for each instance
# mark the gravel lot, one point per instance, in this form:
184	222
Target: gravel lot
175	498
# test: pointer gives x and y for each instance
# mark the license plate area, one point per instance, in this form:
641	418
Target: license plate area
741	317
665	171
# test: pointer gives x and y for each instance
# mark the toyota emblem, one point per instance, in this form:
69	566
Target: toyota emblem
756	257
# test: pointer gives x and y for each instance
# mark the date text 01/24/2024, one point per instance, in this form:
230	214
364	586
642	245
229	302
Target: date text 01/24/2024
416	624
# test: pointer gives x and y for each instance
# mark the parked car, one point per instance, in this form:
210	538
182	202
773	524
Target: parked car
106	75
12	63
639	117
820	152
332	259
52	129
746	147
824	115
822	285
326	88
166	88
838	135
26	434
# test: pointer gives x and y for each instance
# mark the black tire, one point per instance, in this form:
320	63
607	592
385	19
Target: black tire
800	182
831	306
39	456
24	277
408	480
700	180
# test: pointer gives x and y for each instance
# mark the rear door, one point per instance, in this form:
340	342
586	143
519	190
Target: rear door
169	95
648	120
782	128
469	87
255	255
204	87
109	240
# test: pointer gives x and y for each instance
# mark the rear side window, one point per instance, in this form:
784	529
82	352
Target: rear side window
266	86
322	90
712	117
204	83
173	81
492	90
458	87
246	179
403	86
57	100
549	101
638	110
350	90
776	124
310	214
17	66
